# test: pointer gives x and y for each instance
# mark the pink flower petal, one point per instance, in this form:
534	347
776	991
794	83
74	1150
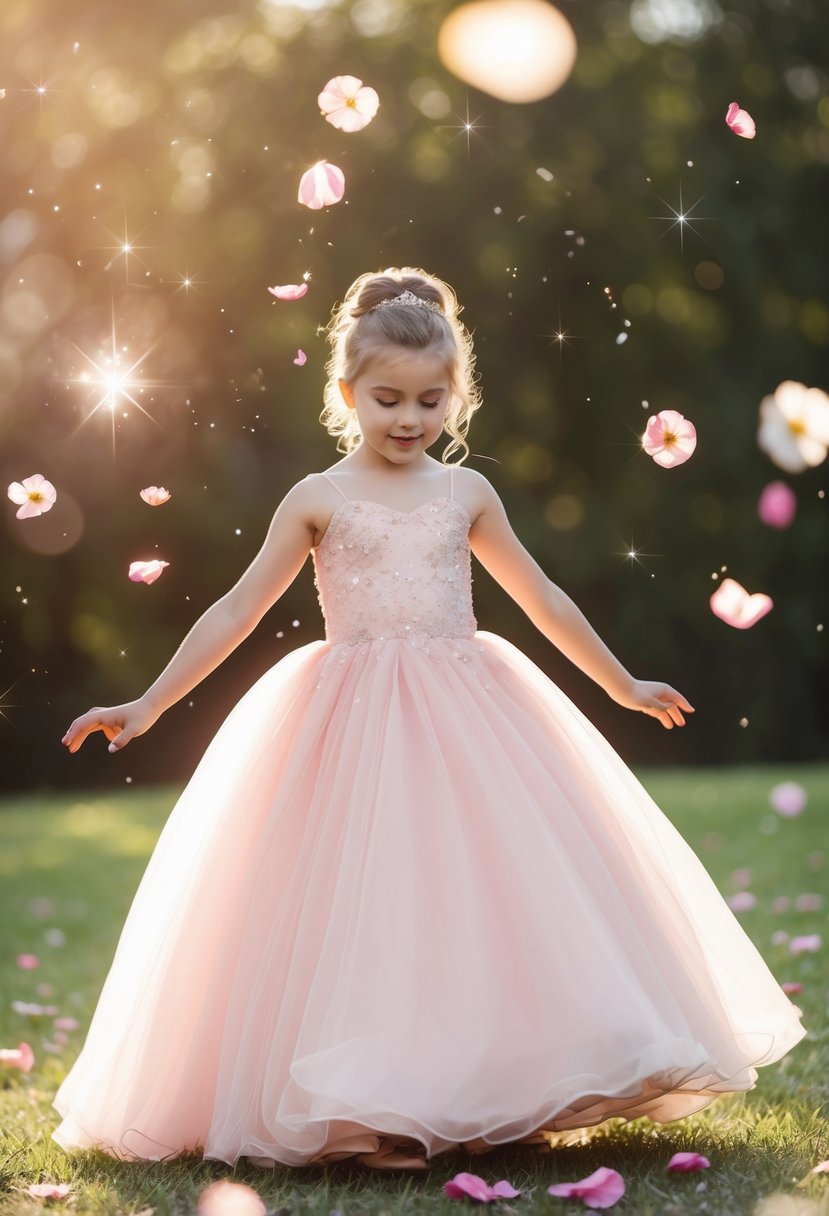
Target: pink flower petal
791	987
224	1198
733	604
290	291
49	1190
146	572
66	1023
822	1168
809	903
600	1190
471	1185
321	186
505	1190
155	495
35	493
788	798
21	1057
683	1162
780	904
740	121
743	901
777	505
347	103
808	943
28	962
669	438
301	358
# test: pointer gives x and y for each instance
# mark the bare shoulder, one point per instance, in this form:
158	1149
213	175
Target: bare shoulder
475	492
315	499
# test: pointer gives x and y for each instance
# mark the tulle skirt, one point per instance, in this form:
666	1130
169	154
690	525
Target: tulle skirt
410	891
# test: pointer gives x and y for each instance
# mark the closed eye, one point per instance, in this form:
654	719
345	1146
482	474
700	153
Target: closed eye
429	404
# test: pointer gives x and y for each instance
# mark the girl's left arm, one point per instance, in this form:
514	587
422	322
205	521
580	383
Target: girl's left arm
552	611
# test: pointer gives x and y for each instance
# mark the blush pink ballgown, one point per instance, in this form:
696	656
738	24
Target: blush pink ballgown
410	896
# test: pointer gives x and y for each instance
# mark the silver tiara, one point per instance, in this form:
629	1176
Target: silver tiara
407	297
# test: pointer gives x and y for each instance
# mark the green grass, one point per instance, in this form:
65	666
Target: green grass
87	853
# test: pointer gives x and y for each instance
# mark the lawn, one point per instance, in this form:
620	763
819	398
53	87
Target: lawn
70	864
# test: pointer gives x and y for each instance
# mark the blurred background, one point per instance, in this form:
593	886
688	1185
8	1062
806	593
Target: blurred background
618	250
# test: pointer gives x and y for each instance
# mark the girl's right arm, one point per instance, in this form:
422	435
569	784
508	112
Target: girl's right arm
220	629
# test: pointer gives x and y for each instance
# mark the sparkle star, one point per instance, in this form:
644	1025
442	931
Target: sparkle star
124	247
119	384
464	126
682	218
632	555
561	337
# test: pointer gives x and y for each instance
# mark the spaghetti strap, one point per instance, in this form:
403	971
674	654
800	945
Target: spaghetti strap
451	481
336	487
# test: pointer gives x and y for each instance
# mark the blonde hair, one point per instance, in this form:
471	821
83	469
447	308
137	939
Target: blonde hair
358	329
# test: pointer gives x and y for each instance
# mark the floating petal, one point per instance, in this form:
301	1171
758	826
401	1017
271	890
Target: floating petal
321	186
740	121
733	604
155	495
290	291
777	505
146	572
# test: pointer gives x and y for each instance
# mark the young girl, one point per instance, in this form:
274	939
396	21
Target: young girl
410	898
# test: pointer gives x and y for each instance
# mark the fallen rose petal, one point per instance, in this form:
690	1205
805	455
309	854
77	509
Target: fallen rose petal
21	1057
35	493
809	903
669	438
788	798
471	1185
155	495
743	901
781	904
66	1023
822	1168
290	291
347	103
779	938
808	943
301	358
41	906
601	1189
146	572
505	1190
225	1198
321	186
28	962
741	878
791	987
733	604
740	121
777	505
49	1190
684	1162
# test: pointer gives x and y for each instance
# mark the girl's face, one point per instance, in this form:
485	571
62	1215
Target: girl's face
401	398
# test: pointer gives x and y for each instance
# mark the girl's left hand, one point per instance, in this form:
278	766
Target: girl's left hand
659	700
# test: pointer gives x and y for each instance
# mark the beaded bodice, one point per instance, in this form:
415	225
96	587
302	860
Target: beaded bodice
382	573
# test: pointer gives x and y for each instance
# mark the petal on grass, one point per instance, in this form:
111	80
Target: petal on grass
601	1189
683	1162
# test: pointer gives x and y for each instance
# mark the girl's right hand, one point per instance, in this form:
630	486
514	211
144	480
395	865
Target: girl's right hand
120	723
